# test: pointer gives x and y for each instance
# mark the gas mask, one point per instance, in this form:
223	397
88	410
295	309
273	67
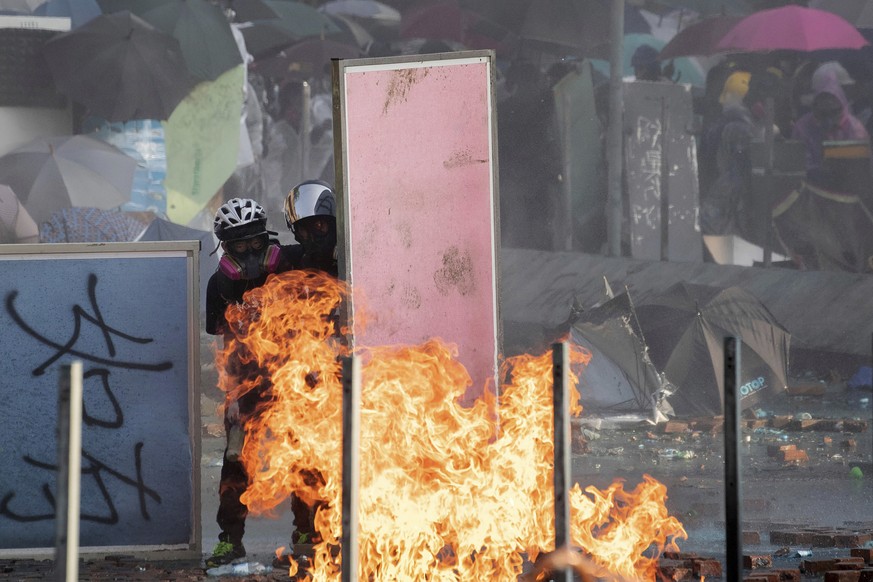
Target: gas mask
249	261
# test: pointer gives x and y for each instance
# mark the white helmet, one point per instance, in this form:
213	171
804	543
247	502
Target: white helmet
239	218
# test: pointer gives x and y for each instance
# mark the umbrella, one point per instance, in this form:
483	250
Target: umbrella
161	229
16	225
684	328
364	10
793	28
305	59
89	225
248	10
449	20
119	67
620	376
200	27
296	21
858	12
53	173
689	70
710	7
351	30
700	38
562	26
79	11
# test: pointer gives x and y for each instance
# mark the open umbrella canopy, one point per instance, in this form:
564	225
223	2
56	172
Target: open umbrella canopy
50	174
305	59
120	68
296	21
381	14
200	26
686	69
620	377
451	20
700	38
70	225
793	28
858	12
685	327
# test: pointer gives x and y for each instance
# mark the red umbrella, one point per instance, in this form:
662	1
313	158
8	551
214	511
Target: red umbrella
700	38
449	20
793	28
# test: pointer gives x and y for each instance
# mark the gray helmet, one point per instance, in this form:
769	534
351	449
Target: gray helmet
309	198
240	218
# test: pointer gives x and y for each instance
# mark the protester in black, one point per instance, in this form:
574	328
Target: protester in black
250	256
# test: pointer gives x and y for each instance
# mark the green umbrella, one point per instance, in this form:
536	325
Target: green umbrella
296	21
202	140
200	27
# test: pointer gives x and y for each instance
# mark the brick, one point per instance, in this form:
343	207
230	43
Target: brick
710	425
823	539
842	576
751	538
796	456
828	425
791	538
706	568
668	555
851	540
817	566
851	563
780	421
801	424
776	450
676	572
787	575
866	575
865	554
854	425
755	561
674	426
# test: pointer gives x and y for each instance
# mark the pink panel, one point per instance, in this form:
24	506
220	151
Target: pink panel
420	213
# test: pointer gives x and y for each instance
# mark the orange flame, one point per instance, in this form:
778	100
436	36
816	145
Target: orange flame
447	492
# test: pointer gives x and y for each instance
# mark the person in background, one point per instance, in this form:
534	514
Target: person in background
646	65
310	214
725	162
829	120
250	256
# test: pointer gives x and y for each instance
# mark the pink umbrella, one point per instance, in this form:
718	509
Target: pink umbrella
792	28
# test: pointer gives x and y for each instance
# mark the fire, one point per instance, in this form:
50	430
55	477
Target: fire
447	492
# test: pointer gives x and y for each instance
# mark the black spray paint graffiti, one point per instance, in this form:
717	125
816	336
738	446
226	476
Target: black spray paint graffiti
92	466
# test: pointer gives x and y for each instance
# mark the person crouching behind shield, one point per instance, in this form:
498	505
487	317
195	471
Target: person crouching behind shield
250	256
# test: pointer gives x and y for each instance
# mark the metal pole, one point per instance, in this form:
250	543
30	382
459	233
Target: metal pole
305	130
665	183
351	466
561	403
732	488
67	499
614	137
769	117
566	238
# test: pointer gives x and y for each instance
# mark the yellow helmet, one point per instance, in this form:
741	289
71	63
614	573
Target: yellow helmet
736	85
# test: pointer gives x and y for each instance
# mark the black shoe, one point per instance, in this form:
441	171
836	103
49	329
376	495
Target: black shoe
225	553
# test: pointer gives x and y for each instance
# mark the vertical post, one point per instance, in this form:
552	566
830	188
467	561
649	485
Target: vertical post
665	183
733	506
561	403
69	437
769	118
305	129
565	238
351	466
614	136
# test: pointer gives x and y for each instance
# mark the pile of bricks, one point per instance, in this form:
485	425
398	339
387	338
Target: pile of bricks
821	537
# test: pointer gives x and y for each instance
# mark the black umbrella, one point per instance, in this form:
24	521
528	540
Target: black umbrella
685	327
120	68
200	27
620	378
